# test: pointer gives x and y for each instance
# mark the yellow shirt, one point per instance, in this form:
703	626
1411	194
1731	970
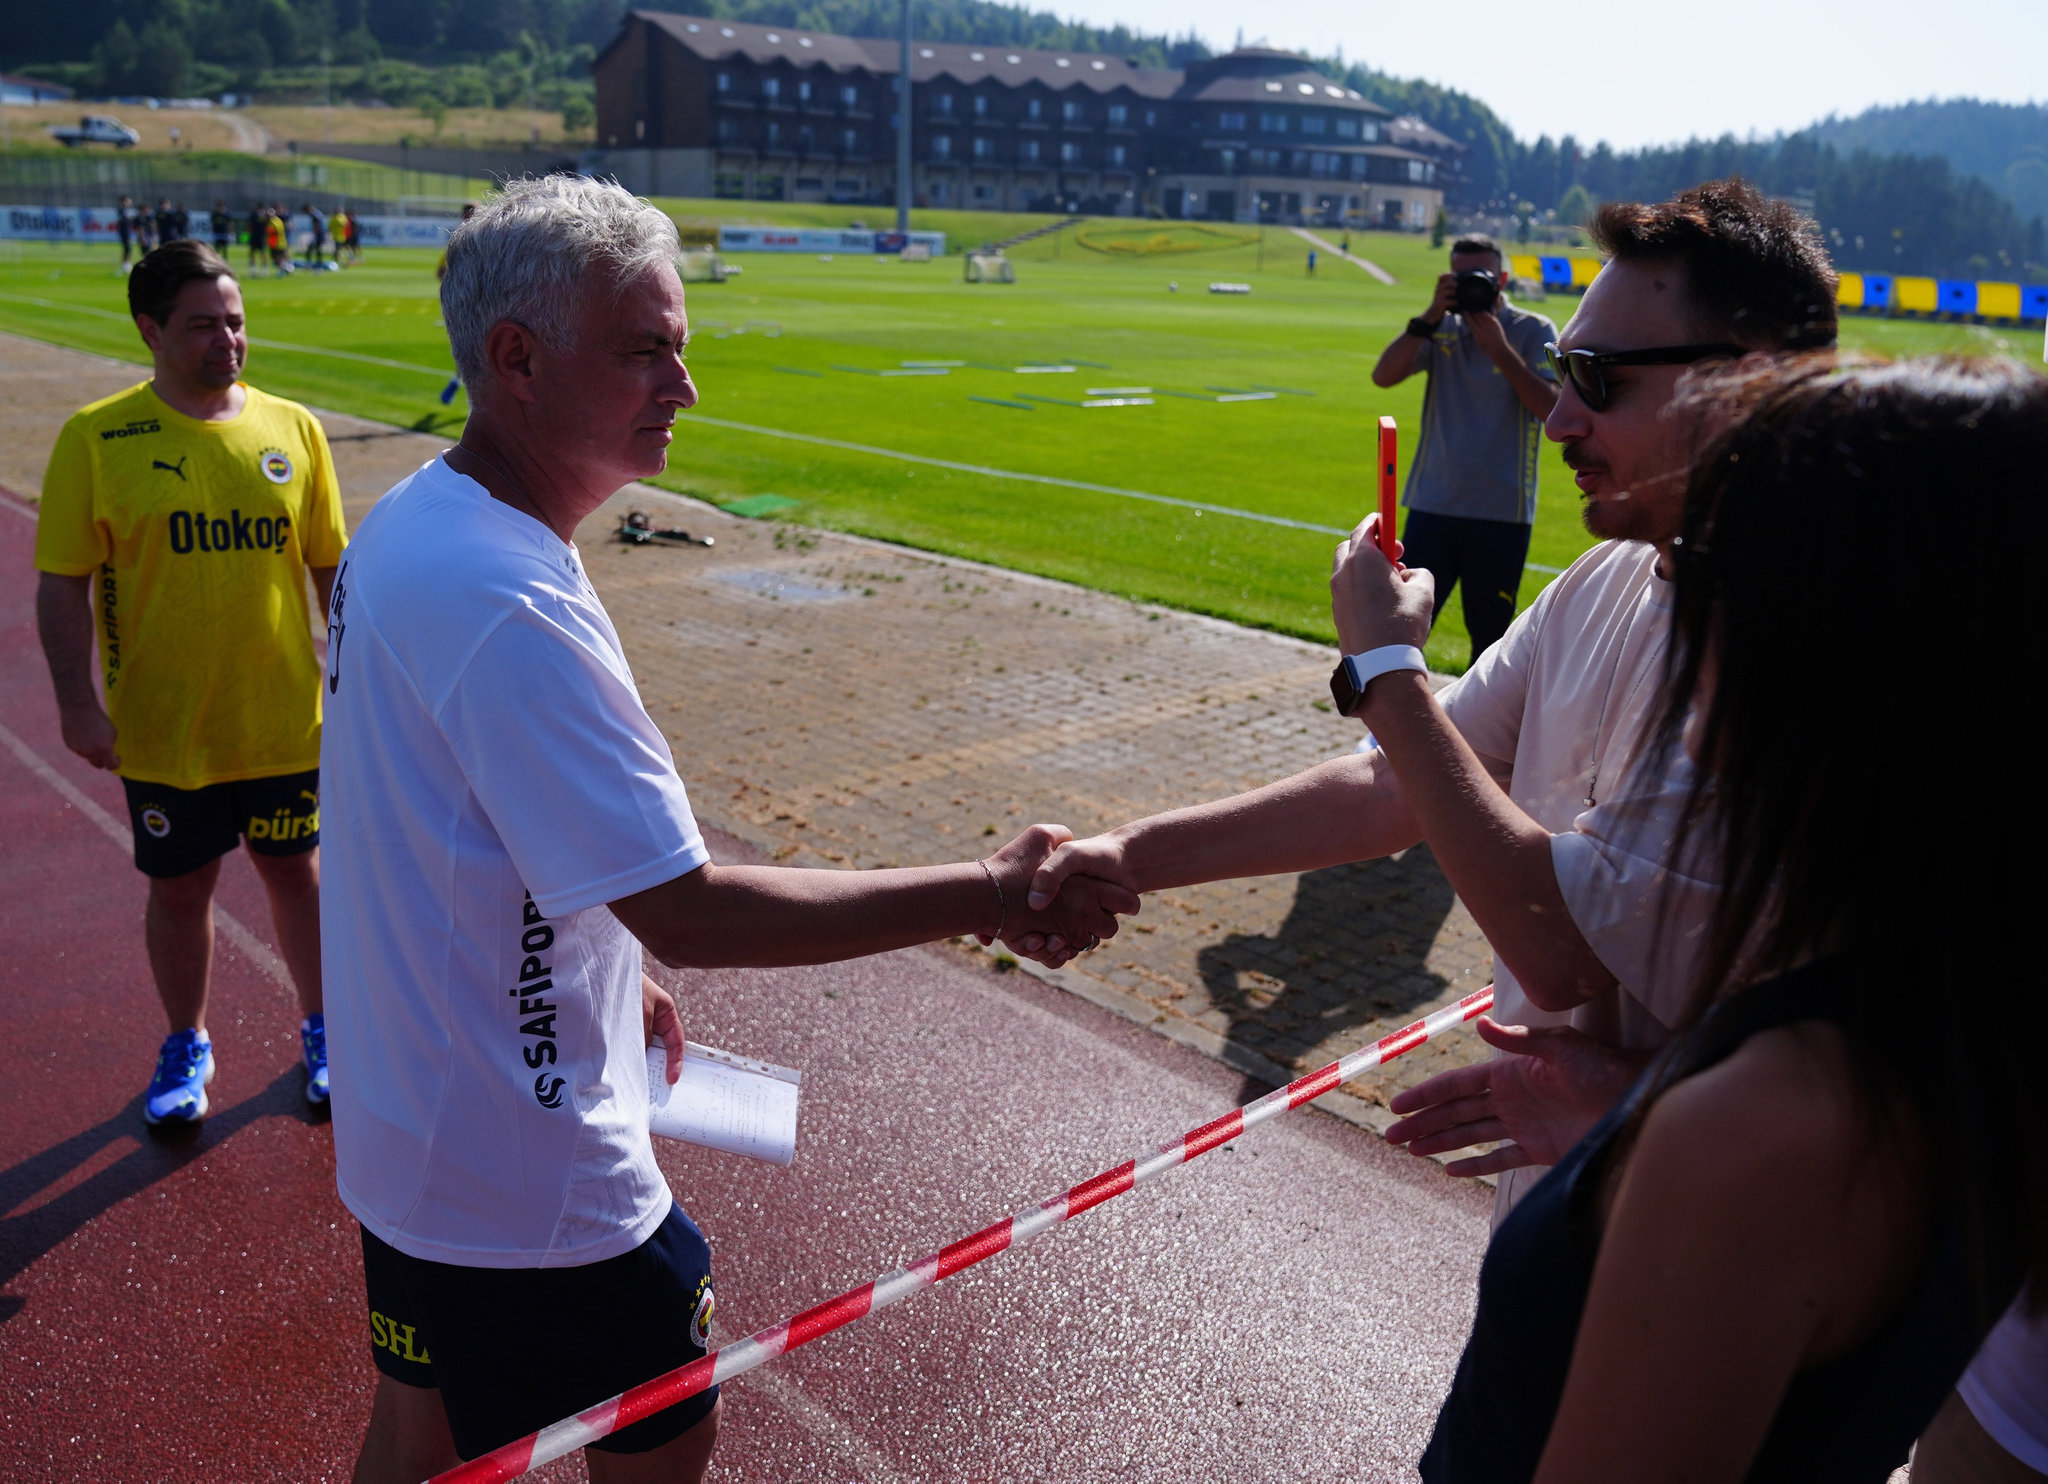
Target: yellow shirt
199	534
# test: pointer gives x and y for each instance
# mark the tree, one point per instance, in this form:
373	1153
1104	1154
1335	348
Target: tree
114	58
163	63
1575	207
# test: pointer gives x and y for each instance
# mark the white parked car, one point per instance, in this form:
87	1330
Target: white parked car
98	128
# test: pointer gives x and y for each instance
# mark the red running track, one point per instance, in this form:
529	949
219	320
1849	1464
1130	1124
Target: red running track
191	1307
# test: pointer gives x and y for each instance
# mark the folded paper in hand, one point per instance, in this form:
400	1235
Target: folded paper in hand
725	1102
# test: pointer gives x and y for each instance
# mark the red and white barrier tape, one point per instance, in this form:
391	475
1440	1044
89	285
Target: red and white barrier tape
550	1443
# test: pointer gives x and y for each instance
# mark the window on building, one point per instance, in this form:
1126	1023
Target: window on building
1072	111
1314	125
980	106
728	131
1118	155
850	96
1369	132
942	104
1261	159
1230	123
942	146
984	148
1034	109
774	134
1418	170
1151	117
725	82
771	88
1347	128
1358	167
1272	123
849	141
805	140
1119	115
1027	151
1070	153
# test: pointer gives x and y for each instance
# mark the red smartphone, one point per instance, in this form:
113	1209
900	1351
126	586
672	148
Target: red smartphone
1386	462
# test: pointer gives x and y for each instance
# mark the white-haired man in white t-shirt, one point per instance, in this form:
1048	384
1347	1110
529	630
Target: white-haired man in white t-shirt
505	830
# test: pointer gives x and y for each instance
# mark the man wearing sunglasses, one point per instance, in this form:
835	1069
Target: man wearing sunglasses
1471	493
1567	876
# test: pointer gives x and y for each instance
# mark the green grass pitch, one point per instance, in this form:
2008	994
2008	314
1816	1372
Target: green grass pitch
797	346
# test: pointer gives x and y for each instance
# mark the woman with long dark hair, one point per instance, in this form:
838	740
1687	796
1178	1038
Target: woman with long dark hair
1775	1257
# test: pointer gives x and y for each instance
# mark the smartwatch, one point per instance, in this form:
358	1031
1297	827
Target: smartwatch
1421	328
1356	671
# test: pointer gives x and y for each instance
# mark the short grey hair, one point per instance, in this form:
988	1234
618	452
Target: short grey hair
527	253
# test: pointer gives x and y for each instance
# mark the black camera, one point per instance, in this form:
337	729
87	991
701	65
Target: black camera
1477	291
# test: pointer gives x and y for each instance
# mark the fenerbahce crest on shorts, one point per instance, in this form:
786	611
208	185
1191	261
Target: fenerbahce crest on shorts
700	1318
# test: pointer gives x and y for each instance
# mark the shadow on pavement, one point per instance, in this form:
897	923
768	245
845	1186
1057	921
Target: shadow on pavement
26	1235
1350	952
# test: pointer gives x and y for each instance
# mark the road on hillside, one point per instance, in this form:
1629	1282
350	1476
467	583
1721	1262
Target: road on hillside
1290	1307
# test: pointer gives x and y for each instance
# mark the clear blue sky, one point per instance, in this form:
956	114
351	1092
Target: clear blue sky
1651	71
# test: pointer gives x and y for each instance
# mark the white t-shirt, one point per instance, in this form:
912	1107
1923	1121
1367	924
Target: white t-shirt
489	781
1556	711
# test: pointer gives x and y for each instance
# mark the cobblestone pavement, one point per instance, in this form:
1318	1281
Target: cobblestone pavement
841	702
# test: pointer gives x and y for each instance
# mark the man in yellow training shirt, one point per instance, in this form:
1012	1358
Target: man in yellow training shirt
178	523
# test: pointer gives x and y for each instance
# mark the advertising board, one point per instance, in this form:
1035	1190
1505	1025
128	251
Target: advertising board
821	240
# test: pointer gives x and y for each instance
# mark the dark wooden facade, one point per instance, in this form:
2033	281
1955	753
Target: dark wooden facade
688	105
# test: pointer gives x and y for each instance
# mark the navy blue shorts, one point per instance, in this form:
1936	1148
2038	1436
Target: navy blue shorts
178	830
514	1349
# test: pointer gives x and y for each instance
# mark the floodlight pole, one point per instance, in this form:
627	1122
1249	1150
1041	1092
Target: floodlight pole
903	128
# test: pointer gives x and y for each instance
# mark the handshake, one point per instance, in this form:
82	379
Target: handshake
1061	896
1058	896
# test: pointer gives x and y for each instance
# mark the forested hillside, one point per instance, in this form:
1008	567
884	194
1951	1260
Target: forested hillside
1953	188
2005	143
1891	213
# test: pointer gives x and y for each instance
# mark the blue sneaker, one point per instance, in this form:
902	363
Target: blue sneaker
313	1038
177	1093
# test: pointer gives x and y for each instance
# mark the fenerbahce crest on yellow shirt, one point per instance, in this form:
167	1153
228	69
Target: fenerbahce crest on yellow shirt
197	536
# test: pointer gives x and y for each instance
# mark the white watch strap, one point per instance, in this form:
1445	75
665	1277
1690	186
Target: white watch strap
1369	666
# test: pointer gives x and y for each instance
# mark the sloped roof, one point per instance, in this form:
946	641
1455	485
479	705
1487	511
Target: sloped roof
1413	132
716	40
1304	85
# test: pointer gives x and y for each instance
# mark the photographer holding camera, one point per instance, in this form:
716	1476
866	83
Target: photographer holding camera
1471	493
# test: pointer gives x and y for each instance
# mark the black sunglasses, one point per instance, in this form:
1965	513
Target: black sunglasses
1585	369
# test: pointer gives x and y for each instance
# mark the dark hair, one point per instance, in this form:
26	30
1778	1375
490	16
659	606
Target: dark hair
153	283
1808	562
1755	270
1479	242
